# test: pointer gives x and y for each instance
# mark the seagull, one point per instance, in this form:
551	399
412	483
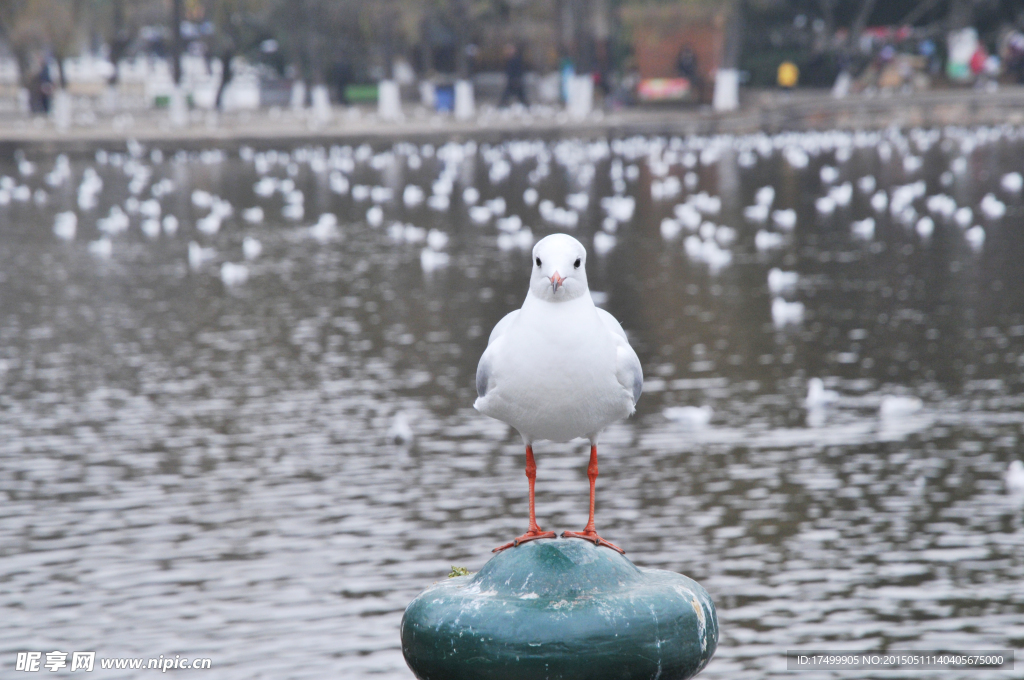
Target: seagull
1015	477
558	368
817	396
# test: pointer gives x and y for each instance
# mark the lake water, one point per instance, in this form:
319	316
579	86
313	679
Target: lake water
200	469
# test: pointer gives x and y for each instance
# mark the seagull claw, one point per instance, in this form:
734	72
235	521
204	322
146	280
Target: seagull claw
528	536
592	536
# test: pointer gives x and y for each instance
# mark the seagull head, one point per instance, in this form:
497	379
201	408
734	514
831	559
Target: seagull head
559	269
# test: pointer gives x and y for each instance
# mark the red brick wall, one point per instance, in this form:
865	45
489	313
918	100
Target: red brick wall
658	32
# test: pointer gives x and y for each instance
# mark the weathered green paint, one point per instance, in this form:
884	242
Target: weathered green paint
560	609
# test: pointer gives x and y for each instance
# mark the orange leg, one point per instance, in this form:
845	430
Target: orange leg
589	533
534	532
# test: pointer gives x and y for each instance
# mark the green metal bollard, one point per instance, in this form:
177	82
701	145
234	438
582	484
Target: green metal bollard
561	609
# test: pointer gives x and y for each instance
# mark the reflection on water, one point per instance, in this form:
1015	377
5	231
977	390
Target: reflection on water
196	468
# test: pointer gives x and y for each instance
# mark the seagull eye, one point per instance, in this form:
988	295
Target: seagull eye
538	261
576	263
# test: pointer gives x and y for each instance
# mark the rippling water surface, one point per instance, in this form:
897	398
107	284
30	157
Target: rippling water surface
193	468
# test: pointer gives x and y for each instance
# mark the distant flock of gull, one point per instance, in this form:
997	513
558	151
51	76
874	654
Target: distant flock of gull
672	163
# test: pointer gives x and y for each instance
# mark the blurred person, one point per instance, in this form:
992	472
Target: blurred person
42	90
929	50
568	71
515	70
1013	57
687	67
977	62
686	63
623	92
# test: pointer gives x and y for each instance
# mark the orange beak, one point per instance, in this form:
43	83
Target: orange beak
556	281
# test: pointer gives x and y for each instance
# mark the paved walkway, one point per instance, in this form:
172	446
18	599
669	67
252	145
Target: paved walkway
768	111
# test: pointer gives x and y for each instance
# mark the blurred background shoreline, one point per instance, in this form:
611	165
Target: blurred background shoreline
762	111
80	71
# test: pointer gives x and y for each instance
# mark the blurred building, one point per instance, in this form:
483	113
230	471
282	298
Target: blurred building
678	40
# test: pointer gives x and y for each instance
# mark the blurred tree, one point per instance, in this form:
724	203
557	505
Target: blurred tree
41	29
120	37
239	28
177	16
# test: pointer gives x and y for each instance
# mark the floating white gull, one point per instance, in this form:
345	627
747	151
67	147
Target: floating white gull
412	195
439	202
826	205
437	239
102	247
496	206
864	228
375	216
768	240
150	227
432	260
510	224
338	182
1015	477
558	368
975	237
197	255
1012	182
670	228
65	224
522	240
400	431
480	214
817	396
765	196
202	199
780	281
578	201
992	207
170	225
233	274
253	215
619	207
756	213
866	184
842	194
785	313
690	417
687	215
963	216
326	228
879	201
925	227
894	406
251	248
784	219
603	243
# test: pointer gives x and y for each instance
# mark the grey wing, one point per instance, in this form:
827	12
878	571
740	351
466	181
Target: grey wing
502	326
628	369
483	375
611	323
483	369
629	372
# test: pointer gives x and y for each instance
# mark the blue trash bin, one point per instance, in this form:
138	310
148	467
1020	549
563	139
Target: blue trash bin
444	98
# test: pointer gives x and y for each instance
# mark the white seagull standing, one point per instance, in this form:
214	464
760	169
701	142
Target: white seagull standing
558	368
